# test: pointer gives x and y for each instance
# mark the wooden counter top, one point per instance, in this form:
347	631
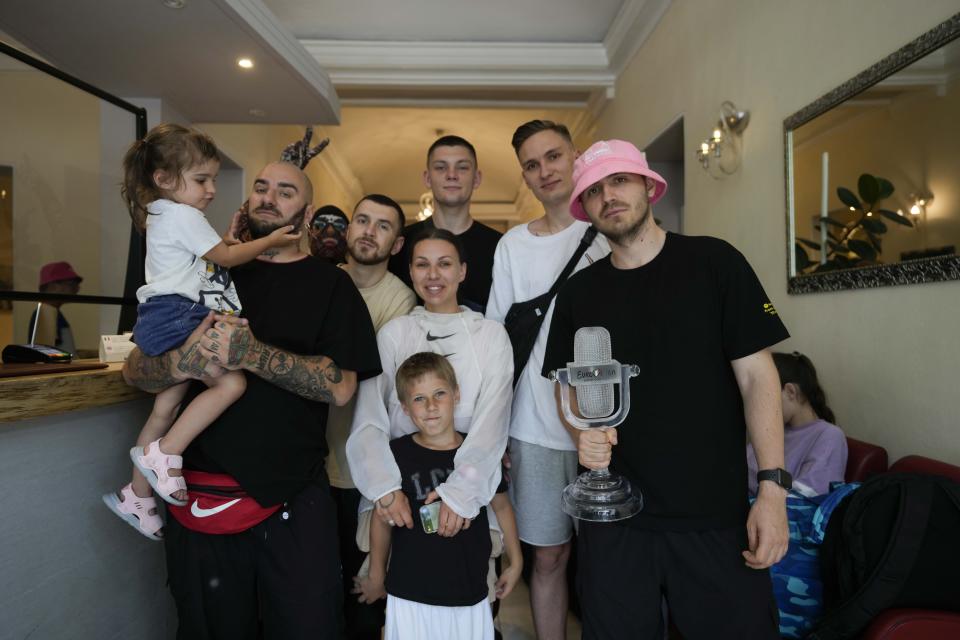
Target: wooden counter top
26	397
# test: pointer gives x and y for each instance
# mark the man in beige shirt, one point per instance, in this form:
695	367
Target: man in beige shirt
374	234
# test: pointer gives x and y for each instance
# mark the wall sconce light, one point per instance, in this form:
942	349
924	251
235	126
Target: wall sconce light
426	206
918	206
719	155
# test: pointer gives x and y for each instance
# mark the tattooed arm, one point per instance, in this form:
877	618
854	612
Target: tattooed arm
233	346
153	374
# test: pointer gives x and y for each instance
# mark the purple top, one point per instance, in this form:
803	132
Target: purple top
815	455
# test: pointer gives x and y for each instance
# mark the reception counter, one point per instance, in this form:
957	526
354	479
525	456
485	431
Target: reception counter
70	568
32	396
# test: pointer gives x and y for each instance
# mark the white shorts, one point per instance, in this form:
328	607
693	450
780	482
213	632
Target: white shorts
409	620
538	476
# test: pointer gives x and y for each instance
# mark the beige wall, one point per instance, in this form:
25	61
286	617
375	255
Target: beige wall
253	146
888	357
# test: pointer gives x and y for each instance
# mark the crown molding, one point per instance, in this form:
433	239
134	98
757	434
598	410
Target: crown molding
255	18
463	64
634	23
363	54
464	103
592	66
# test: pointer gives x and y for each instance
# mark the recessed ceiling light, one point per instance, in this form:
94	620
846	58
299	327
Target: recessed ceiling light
245	63
175	4
258	113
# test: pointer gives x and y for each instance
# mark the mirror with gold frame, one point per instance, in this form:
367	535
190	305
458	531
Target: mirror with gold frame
873	173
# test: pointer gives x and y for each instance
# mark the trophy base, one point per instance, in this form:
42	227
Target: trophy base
599	496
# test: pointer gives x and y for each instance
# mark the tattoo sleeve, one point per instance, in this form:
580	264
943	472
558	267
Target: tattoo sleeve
310	377
153	374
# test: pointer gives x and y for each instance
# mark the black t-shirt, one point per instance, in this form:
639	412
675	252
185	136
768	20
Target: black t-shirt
272	441
425	567
479	244
681	318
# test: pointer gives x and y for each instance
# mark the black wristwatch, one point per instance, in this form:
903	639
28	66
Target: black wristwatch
781	476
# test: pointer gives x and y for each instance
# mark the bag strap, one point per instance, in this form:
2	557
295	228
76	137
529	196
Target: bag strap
883	585
585	243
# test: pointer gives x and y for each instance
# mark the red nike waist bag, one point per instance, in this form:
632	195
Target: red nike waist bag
218	505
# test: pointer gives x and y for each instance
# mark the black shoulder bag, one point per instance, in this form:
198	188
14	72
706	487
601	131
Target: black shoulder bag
524	319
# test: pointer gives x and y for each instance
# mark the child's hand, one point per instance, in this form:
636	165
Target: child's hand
451	523
507	581
369	590
284	236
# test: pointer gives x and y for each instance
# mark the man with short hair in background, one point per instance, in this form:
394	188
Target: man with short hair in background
452	174
543	455
373	235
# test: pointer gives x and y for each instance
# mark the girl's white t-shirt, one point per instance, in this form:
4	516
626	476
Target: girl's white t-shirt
178	236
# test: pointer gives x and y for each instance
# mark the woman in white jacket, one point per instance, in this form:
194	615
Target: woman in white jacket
481	355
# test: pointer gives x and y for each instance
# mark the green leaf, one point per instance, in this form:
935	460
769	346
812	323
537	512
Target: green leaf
875	241
835	223
869	188
874	226
886	188
810	243
846	197
863	249
895	217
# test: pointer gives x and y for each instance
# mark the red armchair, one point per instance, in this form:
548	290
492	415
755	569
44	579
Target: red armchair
917	624
864	460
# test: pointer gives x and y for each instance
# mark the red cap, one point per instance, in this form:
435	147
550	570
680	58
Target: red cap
57	271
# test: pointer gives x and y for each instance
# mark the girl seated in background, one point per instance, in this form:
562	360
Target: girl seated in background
815	450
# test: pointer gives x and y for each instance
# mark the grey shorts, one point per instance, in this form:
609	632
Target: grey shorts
537	478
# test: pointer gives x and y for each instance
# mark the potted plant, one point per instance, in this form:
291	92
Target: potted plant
855	243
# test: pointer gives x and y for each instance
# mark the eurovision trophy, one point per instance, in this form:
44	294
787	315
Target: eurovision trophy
597	495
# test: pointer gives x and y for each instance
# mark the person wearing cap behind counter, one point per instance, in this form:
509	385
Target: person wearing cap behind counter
53	328
692	314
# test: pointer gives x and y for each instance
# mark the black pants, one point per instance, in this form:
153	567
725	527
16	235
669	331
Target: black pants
625	573
363	621
279	580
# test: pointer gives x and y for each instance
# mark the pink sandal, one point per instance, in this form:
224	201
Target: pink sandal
135	511
155	467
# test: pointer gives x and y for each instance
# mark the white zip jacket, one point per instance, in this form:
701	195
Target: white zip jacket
482	358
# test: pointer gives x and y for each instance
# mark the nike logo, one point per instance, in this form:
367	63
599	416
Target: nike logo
431	338
200	512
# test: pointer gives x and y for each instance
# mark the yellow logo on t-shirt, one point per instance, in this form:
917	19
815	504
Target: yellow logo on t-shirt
768	308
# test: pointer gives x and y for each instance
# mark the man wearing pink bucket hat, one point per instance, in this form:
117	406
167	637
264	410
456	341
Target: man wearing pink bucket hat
692	314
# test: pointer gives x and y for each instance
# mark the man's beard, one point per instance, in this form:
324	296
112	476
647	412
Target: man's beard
260	229
626	236
369	260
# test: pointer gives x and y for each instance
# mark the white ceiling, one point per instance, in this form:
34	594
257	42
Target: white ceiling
450	21
185	56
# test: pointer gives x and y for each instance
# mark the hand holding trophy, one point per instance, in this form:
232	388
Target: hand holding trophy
597	495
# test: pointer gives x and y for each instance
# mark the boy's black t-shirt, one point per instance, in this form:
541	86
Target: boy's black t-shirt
272	441
479	244
425	567
682	318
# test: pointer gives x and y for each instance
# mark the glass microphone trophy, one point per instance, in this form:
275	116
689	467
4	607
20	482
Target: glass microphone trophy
597	495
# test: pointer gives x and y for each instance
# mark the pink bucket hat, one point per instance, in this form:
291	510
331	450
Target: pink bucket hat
606	158
57	271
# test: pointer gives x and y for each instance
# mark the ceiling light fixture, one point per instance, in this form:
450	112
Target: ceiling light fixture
245	63
258	113
175	4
